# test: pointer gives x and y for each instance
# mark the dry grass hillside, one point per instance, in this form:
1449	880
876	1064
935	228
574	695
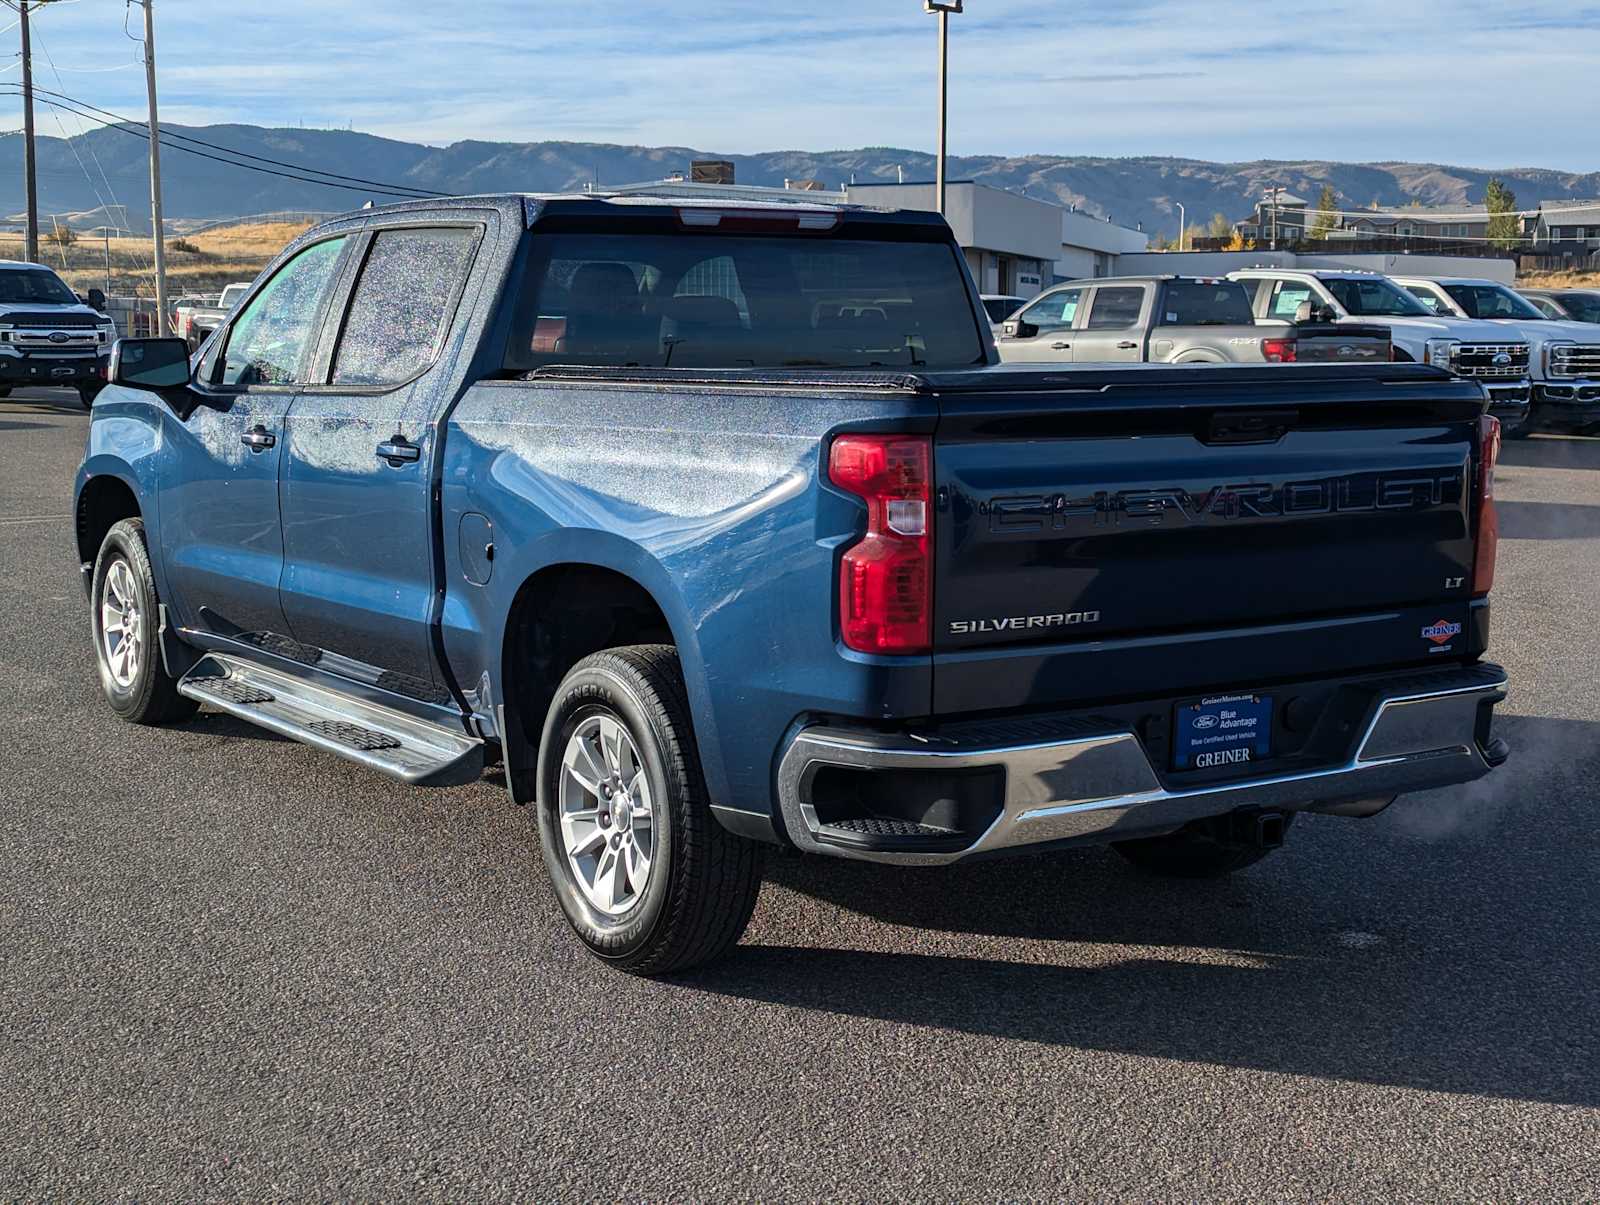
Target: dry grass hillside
196	263
1560	280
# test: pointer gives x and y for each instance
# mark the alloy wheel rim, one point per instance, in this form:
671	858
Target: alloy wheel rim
121	625
607	815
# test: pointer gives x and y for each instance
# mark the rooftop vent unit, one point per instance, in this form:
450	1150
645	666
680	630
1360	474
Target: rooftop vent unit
711	171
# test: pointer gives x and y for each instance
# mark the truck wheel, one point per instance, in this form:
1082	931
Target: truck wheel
87	394
124	610
5	390
647	877
1196	851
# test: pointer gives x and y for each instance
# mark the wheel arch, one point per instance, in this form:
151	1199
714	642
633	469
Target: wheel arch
561	612
104	500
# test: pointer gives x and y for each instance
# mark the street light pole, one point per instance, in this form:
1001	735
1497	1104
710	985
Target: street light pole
944	8
1183	223
162	326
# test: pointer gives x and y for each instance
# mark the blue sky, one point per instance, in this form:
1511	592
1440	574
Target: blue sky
1481	84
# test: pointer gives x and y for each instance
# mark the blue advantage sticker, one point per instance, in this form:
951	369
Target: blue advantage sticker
1224	730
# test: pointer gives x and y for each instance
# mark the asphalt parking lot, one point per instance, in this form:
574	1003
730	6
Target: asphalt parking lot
232	966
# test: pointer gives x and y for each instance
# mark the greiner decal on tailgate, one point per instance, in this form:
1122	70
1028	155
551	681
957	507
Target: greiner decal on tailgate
1440	634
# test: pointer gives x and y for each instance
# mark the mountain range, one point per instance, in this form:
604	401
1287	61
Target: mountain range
108	165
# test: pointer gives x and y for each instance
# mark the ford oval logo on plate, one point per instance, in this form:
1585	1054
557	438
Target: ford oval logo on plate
59	336
1501	360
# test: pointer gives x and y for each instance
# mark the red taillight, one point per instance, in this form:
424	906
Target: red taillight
886	578
1488	521
1279	351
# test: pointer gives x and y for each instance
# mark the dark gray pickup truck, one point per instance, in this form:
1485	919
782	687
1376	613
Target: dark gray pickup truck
720	527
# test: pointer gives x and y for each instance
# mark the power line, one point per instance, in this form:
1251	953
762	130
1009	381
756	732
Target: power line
391	189
369	187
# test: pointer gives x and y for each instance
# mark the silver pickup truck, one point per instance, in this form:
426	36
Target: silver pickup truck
1173	320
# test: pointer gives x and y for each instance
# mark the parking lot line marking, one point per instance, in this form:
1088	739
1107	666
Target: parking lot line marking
11	520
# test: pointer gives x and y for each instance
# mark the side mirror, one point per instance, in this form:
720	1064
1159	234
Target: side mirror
97	300
150	363
1018	329
1304	311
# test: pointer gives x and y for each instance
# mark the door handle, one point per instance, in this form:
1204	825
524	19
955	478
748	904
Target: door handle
1127	345
1060	346
258	438
399	451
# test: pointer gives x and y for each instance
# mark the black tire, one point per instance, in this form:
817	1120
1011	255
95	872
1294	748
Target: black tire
5	390
1197	851
87	394
1521	431
697	910
151	697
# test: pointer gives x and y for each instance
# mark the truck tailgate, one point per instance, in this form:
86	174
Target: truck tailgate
1196	528
1327	342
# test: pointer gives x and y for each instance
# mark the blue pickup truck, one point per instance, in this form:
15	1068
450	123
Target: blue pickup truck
721	526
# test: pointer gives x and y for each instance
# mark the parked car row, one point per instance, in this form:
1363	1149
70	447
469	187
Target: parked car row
1564	363
1174	320
1540	368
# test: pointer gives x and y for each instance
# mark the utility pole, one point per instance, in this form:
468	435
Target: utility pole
1183	223
162	326
31	185
1273	192
944	8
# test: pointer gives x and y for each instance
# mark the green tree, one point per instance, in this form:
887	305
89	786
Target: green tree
1327	213
1505	228
1220	226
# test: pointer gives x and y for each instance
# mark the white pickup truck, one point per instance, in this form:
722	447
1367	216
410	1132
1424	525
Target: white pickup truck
1566	355
1481	351
1172	320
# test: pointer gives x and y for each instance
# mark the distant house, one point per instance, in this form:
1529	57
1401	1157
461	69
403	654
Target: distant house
1570	229
1282	212
1442	222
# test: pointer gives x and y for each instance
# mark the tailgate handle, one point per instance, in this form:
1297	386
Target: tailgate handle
1249	426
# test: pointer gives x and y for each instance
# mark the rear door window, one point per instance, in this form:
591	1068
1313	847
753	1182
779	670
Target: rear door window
402	305
1115	308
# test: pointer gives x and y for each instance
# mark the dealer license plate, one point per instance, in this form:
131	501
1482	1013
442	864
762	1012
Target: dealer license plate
1223	730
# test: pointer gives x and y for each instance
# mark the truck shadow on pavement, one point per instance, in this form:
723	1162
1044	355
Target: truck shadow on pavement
1548	520
1451	945
1552	452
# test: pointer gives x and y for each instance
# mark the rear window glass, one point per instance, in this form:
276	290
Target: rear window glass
1193	303
742	301
403	303
1000	308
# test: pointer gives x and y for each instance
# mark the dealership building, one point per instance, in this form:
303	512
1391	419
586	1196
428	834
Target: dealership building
1014	244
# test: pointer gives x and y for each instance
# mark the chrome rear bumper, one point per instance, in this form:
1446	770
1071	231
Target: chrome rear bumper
1090	787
